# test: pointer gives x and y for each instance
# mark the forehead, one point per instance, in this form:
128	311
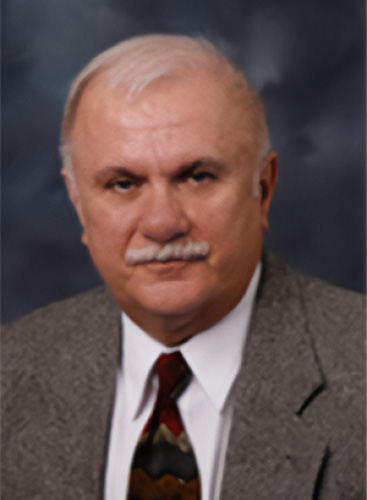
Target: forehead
177	111
180	92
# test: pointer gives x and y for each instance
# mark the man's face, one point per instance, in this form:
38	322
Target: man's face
169	165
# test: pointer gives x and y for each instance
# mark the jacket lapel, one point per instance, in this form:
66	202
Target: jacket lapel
271	453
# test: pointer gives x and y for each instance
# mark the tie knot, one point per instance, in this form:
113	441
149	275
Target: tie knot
174	374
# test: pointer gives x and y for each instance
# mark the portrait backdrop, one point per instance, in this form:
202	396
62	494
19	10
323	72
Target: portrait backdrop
306	58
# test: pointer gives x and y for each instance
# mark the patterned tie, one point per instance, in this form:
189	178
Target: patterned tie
164	465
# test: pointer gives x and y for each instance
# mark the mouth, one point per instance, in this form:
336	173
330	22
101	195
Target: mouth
169	266
171	259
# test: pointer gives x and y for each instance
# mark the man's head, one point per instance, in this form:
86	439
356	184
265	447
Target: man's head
166	158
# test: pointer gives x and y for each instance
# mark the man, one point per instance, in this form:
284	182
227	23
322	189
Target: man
168	164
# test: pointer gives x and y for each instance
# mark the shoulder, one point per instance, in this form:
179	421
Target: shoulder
321	302
335	318
337	323
313	290
73	311
67	326
72	308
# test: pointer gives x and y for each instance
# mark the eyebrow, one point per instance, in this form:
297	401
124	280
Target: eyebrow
201	162
116	171
111	171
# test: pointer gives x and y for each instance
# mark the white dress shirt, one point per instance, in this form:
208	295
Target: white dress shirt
206	406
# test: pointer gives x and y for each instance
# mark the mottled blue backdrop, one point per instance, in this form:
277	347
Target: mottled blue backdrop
307	59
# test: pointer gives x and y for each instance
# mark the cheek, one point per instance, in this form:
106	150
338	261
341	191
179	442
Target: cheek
108	229
237	238
227	218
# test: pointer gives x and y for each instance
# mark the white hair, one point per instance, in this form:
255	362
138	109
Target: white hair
137	62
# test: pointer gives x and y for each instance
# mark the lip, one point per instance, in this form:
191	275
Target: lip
169	266
167	263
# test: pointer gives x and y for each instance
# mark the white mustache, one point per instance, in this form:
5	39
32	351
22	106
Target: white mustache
171	251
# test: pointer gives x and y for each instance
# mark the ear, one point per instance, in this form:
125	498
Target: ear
75	200
267	183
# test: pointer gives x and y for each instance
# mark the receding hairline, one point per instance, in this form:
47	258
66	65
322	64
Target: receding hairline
135	63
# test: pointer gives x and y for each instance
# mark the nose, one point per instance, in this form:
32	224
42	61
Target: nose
163	217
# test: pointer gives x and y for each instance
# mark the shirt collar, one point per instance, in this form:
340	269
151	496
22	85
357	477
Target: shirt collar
214	355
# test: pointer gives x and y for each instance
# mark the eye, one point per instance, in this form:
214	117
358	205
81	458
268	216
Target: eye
122	185
199	177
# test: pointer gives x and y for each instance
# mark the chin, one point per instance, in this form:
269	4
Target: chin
170	299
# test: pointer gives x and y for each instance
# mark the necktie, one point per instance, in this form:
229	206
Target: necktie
164	465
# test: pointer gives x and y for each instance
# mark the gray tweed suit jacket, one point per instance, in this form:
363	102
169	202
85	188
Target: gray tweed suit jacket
299	423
